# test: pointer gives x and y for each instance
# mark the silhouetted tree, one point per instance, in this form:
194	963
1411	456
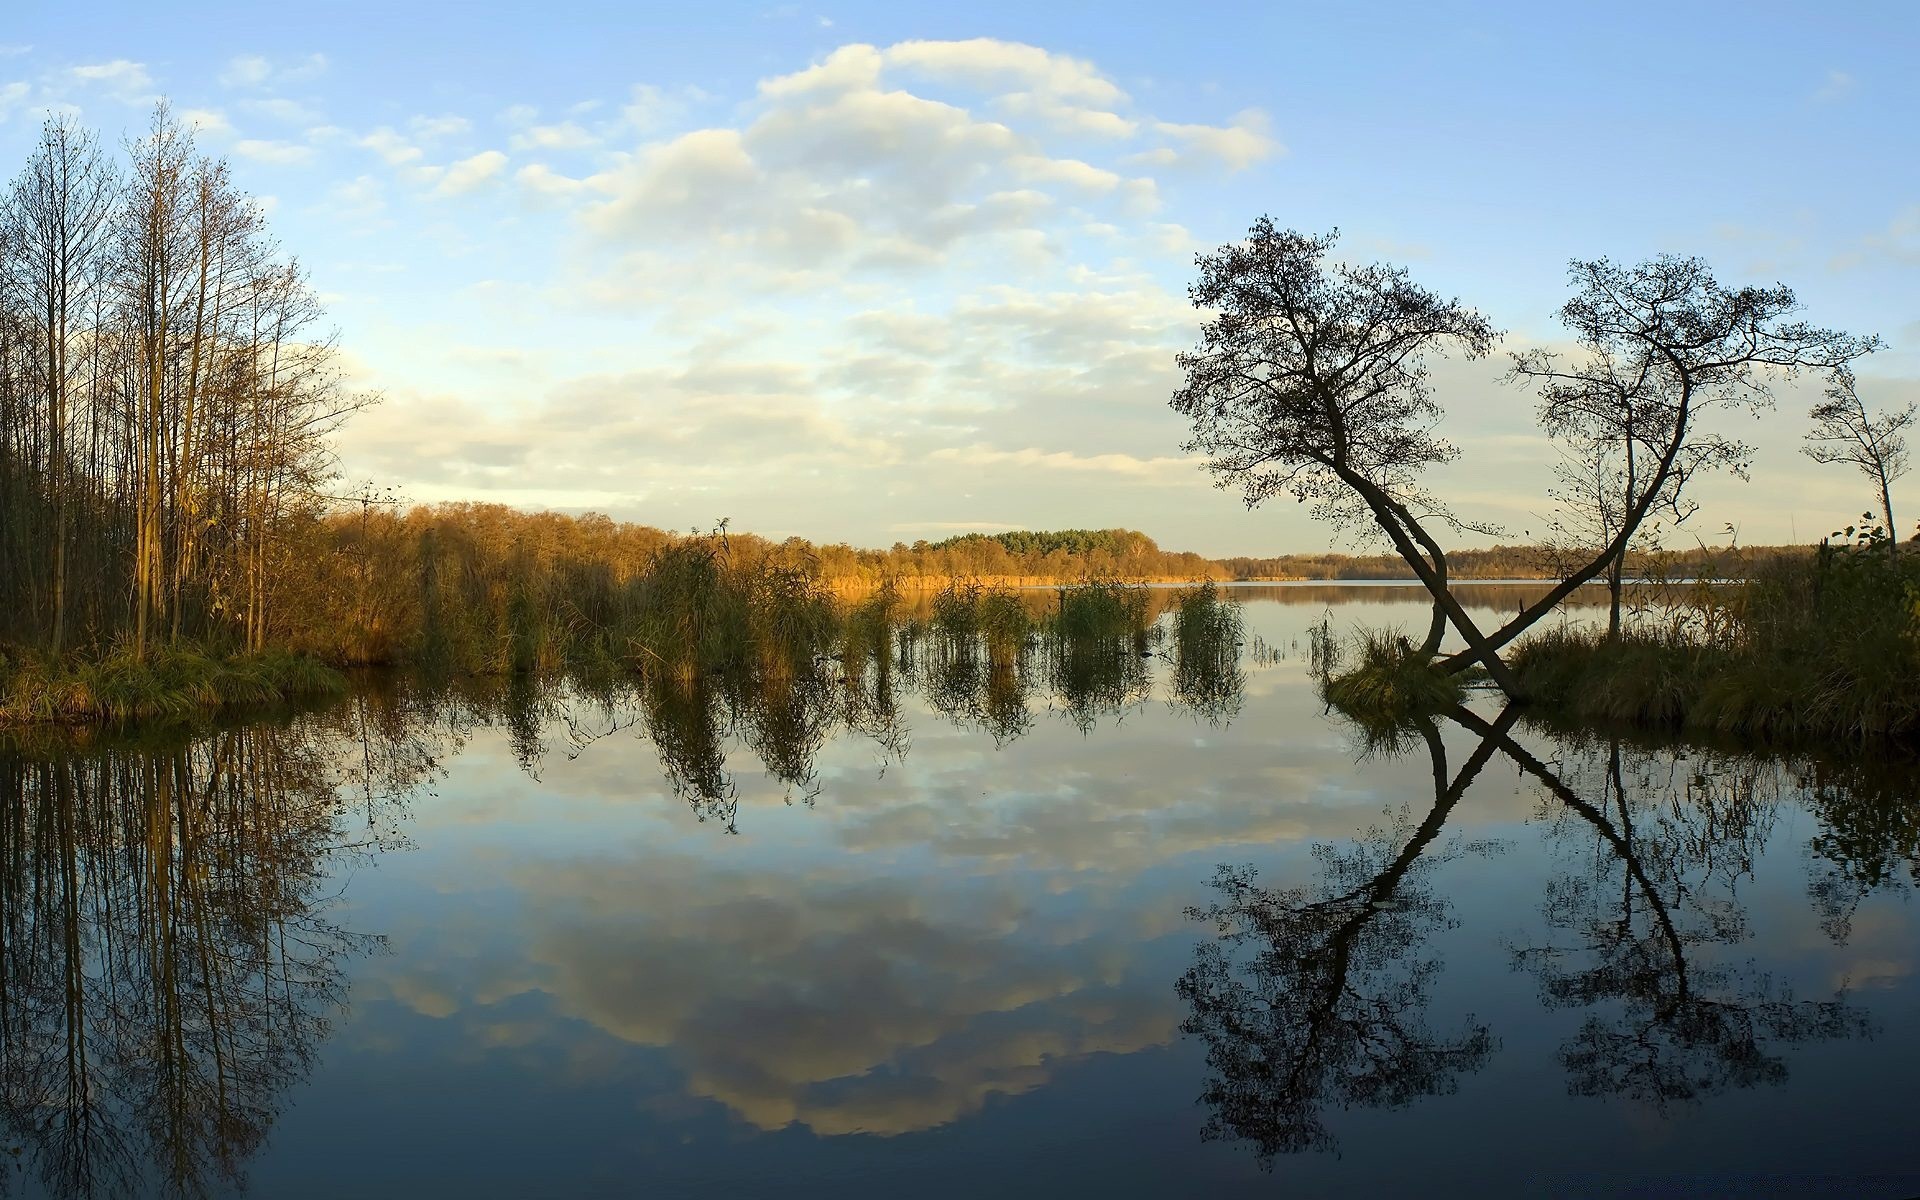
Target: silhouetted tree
1664	344
1845	432
1310	380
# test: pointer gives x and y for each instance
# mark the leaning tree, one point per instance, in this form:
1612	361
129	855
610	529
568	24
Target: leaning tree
1662	345
1311	380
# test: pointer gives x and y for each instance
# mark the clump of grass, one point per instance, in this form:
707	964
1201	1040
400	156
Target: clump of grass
1004	626
1097	642
1102	610
1206	665
791	620
966	617
169	682
1206	629
693	613
867	633
1824	646
1390	683
956	612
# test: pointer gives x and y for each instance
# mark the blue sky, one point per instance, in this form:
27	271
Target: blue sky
879	272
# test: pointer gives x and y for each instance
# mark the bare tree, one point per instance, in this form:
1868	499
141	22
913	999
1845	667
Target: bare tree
1592	483
1665	343
1845	432
167	395
1311	381
59	208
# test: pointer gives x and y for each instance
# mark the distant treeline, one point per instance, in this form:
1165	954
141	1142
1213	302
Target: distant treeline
1495	562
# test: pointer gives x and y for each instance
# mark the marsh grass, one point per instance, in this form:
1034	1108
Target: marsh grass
1207	635
868	630
1389	684
1825	646
693	611
1102	611
1097	641
170	682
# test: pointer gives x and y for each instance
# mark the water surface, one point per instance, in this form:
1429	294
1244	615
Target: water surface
1102	927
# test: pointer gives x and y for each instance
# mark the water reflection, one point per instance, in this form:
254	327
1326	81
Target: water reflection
1311	997
1315	996
784	720
985	908
168	968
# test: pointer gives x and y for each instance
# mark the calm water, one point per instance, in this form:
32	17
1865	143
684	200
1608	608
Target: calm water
1114	930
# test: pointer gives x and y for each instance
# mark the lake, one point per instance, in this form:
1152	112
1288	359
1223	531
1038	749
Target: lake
1123	927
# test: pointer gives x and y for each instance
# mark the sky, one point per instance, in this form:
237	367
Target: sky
883	272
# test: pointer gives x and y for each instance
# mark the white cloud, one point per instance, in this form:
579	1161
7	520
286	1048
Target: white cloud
649	108
810	276
361	199
1236	146
1071	119
992	65
1164	469
564	136
205	121
391	146
469	174
695	182
850	68
279	108
12	96
122	78
286	154
430	128
255	71
1069	171
248	70
544	181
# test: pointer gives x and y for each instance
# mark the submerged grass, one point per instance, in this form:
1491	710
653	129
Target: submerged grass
1207	635
1101	611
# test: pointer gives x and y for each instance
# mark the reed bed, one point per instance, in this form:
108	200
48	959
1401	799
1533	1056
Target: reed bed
170	682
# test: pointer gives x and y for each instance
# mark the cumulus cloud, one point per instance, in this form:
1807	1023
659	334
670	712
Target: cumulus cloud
278	153
1165	469
563	136
945	239
208	121
122	79
470	174
257	71
430	128
1235	146
12	96
886	159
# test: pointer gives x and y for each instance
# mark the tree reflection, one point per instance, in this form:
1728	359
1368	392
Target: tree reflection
1674	1029
1869	814
1317	996
168	967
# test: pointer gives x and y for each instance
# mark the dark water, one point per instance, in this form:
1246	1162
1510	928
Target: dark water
1108	928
